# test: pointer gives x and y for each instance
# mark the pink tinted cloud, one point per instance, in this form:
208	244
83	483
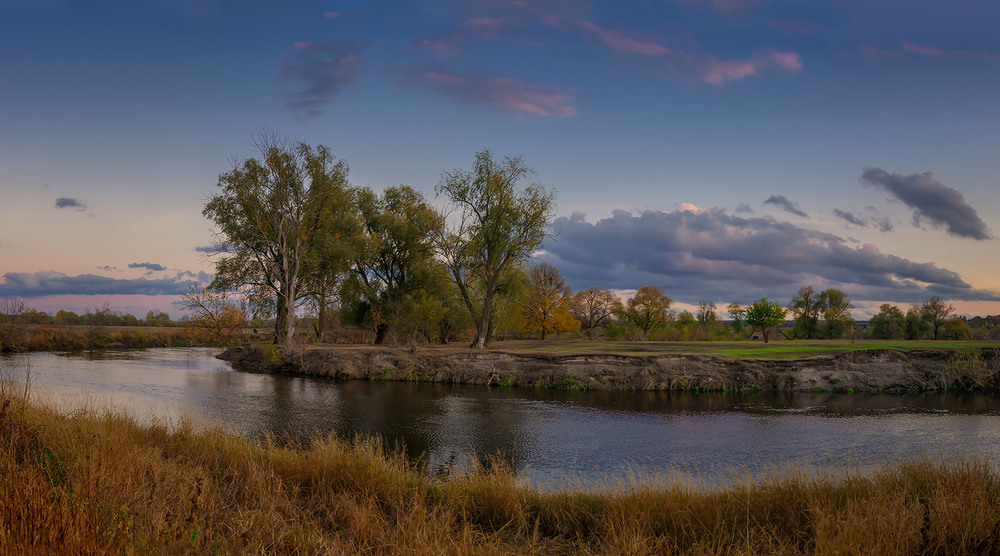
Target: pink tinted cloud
718	72
470	29
625	43
515	96
933	52
332	15
918	49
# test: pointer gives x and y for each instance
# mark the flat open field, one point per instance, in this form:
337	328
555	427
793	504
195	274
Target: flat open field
784	349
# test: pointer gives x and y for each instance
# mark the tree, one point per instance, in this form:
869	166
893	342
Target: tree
648	309
214	318
936	312
497	228
738	314
888	324
685	325
593	307
397	252
917	326
546	305
157	319
806	307
765	315
708	319
273	214
956	328
836	307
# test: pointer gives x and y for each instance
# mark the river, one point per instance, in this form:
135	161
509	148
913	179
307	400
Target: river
553	438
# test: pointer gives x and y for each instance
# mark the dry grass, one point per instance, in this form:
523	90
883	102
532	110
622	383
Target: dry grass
99	482
49	337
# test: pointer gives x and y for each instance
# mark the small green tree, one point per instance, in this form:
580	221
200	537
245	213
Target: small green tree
917	327
936	313
835	307
806	307
765	315
888	324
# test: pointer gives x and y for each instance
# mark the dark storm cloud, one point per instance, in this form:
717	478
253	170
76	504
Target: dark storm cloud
321	70
69	202
38	284
930	200
712	255
788	206
147	266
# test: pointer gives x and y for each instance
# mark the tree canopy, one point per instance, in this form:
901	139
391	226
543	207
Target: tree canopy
274	214
765	315
497	227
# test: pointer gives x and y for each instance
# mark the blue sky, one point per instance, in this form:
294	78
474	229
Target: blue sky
723	149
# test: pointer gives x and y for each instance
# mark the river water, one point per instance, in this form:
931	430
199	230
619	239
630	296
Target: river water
552	438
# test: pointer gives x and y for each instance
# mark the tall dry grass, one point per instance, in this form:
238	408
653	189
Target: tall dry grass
49	337
97	481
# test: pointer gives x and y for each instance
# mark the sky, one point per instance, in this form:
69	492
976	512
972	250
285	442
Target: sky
725	150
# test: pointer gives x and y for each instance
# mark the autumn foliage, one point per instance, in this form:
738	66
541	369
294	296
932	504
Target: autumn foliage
215	319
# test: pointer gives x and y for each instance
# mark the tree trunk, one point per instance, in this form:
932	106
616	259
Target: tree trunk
279	321
321	324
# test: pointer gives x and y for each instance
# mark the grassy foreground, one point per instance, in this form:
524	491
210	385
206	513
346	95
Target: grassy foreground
99	482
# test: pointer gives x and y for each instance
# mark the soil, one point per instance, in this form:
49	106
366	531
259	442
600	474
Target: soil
875	370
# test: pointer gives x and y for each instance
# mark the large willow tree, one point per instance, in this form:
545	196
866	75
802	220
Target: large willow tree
496	228
277	215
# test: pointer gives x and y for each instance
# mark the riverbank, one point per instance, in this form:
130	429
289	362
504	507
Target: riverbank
959	366
23	338
165	489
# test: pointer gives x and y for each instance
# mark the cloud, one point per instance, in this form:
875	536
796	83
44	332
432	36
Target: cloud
214	248
850	217
786	205
108	268
718	72
518	97
626	42
871	220
714	255
69	202
933	52
930	200
147	266
321	69
38	284
708	68
473	28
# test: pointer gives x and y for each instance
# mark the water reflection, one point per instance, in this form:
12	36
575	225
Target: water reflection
547	435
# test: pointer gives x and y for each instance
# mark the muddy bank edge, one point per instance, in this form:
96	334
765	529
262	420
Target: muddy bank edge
859	371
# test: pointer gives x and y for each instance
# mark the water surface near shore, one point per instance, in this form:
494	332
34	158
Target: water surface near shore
549	436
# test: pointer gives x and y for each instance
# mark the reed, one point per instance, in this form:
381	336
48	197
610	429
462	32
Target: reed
98	481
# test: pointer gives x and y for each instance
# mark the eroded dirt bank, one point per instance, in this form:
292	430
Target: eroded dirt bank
859	371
